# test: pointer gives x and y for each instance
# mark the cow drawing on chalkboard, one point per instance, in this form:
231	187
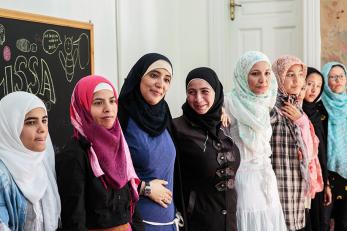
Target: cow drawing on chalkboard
69	60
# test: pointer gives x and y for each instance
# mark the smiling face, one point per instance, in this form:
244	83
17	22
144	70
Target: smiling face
35	130
104	108
259	78
294	80
337	80
200	96
154	85
314	84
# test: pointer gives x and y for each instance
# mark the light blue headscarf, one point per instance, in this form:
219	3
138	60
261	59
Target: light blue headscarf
252	111
336	105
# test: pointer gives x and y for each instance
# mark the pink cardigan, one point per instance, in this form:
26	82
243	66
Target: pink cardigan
311	142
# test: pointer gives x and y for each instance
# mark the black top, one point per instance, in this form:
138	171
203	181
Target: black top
86	203
208	168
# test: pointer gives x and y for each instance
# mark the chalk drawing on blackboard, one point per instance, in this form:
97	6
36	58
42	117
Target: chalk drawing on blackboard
6	53
51	41
2	34
83	50
47	86
24	45
69	60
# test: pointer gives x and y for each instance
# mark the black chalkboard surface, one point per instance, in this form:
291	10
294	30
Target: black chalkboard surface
45	56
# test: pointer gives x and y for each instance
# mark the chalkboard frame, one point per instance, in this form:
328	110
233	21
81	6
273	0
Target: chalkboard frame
53	21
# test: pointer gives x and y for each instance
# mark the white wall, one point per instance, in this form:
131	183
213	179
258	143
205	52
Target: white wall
165	27
99	12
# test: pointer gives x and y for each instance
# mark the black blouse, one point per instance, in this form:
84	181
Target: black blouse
208	168
86	203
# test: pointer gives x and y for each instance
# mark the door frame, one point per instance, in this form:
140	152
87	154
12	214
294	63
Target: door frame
310	34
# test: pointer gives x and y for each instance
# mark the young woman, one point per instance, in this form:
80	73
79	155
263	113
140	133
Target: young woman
288	148
334	98
29	198
145	118
96	178
248	105
208	157
315	110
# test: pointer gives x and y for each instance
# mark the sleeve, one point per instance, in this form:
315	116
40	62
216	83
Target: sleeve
4	215
71	175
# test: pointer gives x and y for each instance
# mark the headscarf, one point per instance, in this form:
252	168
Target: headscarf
281	66
109	154
336	106
33	172
252	111
153	119
210	121
310	108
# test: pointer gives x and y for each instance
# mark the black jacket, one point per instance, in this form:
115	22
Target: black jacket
208	168
86	203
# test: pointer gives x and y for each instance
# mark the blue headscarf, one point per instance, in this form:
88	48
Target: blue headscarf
336	105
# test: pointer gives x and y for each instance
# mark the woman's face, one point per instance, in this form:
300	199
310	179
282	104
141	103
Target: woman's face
154	85
104	108
35	130
337	80
294	80
314	84
200	96
259	78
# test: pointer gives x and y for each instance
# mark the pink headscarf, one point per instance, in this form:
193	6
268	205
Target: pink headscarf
109	154
281	66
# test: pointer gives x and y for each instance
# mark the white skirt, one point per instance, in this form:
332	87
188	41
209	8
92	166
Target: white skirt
258	203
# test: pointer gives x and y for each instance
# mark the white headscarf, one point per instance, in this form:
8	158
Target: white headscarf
252	111
33	172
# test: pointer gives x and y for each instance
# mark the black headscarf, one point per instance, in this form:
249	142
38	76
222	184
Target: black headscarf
153	119
318	116
210	121
310	108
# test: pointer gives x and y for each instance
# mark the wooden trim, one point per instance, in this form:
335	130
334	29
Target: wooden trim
43	19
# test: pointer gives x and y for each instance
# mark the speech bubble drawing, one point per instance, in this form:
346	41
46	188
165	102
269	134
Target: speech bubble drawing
51	41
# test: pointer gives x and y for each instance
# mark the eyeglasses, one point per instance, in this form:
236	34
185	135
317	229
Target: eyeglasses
337	77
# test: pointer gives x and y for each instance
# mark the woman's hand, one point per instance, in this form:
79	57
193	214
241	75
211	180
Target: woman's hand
159	193
225	119
291	111
327	195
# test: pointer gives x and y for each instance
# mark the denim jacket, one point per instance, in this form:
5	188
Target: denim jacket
12	202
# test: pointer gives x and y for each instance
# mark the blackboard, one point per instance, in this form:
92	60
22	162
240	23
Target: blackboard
45	56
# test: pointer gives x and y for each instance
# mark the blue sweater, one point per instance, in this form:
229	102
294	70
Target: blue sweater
153	158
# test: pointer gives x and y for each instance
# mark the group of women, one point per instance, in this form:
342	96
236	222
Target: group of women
268	155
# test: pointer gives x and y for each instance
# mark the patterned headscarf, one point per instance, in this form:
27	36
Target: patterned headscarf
281	66
252	111
336	106
109	154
